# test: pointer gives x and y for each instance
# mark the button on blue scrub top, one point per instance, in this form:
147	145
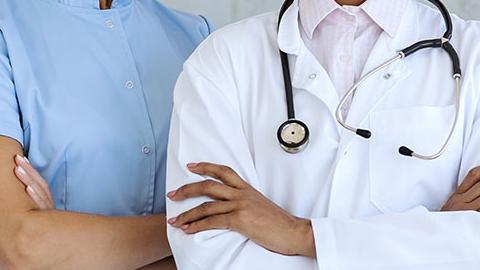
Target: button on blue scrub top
88	93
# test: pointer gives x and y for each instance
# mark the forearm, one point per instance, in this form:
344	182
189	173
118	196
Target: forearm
165	264
64	240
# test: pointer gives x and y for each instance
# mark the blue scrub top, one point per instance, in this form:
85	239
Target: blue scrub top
88	93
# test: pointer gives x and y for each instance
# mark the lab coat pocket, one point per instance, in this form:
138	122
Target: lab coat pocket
399	183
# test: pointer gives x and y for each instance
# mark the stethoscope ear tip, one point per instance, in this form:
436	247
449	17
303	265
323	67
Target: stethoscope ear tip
367	134
405	151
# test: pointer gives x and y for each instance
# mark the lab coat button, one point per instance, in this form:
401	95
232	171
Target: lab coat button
387	76
129	84
146	150
312	76
109	24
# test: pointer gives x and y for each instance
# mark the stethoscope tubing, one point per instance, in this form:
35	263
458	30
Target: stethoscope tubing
452	130
443	43
352	90
403	149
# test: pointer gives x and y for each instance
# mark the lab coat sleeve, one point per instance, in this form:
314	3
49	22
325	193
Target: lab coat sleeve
9	110
207	126
414	240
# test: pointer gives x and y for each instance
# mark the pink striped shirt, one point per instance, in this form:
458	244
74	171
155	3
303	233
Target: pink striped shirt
341	38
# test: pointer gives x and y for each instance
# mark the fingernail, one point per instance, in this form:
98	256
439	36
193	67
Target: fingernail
30	189
21	170
171	194
18	158
191	165
172	221
26	160
186	226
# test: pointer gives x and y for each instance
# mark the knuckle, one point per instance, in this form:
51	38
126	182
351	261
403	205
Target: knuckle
226	170
185	188
208	184
205	207
202	164
181	217
459	198
206	222
474	173
180	191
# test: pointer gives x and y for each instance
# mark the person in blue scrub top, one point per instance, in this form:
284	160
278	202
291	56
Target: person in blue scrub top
86	94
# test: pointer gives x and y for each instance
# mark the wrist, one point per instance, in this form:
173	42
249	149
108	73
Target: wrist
305	238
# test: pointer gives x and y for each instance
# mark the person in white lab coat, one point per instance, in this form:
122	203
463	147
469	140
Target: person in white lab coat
344	202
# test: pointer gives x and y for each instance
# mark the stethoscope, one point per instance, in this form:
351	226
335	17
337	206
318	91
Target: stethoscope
294	134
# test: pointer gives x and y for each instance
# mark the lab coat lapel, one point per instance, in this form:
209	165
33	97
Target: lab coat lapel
310	76
378	86
307	73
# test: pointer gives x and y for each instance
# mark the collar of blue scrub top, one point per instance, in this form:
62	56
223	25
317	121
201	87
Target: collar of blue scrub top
95	4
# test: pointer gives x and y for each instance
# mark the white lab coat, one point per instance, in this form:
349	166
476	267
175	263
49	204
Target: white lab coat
371	208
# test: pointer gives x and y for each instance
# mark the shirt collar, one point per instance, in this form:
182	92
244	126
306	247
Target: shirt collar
95	4
387	14
313	12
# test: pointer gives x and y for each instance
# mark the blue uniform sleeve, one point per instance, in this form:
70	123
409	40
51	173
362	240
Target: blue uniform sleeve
9	109
209	27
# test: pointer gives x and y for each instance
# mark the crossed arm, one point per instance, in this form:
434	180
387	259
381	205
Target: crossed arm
50	239
239	207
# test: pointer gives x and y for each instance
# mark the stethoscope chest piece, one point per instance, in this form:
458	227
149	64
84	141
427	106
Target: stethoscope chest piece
293	136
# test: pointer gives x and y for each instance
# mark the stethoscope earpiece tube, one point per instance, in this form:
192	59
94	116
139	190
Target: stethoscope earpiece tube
436	43
424	44
457	70
283	9
446	17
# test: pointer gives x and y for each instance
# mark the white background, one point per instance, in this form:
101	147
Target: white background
222	12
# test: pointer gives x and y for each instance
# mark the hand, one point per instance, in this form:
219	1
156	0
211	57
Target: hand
37	187
241	208
467	196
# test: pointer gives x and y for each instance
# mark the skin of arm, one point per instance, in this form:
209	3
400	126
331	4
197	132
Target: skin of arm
165	264
105	4
31	239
